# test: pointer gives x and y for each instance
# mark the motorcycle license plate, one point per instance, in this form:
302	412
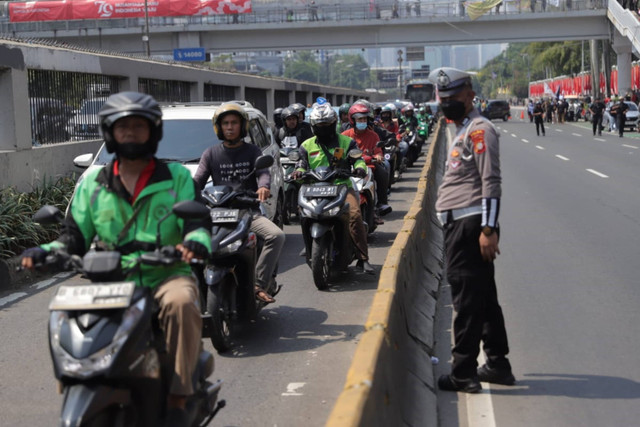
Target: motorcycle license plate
321	191
98	296
224	215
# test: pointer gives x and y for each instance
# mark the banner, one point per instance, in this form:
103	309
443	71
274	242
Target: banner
109	9
476	10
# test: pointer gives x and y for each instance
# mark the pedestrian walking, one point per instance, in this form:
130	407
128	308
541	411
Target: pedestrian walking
538	116
621	116
597	109
468	204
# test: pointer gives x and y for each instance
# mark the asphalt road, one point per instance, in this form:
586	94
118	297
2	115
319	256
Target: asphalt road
287	369
567	282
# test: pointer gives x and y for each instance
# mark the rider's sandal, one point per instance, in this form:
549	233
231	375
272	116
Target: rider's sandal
262	295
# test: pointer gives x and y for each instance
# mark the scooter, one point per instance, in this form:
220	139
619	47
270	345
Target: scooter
288	158
411	138
107	346
229	275
324	219
391	155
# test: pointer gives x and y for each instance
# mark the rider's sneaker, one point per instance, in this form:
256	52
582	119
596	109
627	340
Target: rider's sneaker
384	209
365	267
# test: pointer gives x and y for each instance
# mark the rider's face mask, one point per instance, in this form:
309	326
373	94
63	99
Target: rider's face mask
361	125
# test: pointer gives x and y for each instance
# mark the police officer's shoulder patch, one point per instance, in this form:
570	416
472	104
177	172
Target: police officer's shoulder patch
477	138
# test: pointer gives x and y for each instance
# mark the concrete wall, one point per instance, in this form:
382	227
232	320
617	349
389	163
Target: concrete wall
22	165
390	382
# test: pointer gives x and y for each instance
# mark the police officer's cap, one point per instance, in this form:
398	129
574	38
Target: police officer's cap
449	81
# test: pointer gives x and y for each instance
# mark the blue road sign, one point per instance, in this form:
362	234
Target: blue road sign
189	54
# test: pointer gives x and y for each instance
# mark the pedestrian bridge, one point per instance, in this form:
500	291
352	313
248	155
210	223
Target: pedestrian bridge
340	26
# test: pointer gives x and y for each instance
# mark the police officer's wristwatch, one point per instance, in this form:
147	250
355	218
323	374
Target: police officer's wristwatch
488	231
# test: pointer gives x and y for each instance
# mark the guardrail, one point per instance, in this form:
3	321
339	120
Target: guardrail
390	381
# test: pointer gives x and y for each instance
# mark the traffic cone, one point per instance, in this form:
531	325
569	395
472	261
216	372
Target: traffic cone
522	115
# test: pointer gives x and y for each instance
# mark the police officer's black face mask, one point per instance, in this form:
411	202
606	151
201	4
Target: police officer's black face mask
453	109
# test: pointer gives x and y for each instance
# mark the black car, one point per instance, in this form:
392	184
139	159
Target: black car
497	109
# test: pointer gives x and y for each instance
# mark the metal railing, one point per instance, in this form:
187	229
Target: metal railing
380	10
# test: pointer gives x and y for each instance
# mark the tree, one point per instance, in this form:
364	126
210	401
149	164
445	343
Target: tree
222	62
302	66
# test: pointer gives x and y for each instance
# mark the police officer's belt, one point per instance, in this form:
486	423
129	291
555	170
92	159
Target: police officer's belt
451	215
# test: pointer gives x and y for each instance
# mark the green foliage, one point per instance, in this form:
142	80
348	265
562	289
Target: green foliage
525	62
222	62
339	70
17	230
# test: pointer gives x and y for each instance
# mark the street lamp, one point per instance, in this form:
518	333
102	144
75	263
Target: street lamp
400	83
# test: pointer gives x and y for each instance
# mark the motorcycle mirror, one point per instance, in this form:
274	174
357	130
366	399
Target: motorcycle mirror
190	209
263	162
48	215
294	156
355	154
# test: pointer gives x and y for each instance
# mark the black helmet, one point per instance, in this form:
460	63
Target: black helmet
288	112
230	108
297	108
126	104
344	108
277	120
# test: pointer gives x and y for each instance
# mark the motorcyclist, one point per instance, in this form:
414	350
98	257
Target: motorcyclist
229	162
312	155
293	133
344	117
277	120
121	204
300	110
359	116
390	124
408	121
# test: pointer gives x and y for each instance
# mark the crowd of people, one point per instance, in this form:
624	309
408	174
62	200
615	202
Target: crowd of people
604	112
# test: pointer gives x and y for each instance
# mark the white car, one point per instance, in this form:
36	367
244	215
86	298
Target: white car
631	117
188	132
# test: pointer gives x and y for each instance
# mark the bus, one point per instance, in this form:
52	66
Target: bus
419	91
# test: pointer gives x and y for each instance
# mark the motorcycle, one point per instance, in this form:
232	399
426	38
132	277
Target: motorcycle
229	274
411	138
390	149
366	189
324	219
106	343
289	156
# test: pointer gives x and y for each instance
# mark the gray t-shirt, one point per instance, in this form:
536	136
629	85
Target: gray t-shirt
230	165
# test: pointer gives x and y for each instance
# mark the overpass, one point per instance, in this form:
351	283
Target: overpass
352	25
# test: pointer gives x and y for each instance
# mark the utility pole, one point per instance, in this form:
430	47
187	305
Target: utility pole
145	37
400	82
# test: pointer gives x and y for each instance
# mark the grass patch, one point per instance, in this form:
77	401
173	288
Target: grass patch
17	230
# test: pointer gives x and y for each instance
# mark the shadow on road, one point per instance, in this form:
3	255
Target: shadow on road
287	329
571	385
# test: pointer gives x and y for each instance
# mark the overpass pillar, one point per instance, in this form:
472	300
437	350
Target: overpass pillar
188	39
15	123
622	47
271	104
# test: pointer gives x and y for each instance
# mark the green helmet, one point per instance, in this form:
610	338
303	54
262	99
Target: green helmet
344	108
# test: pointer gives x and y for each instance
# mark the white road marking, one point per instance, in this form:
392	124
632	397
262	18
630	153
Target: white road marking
600	174
525	140
630	146
292	389
558	130
539	147
46	283
600	139
479	406
562	157
6	300
576	134
514	135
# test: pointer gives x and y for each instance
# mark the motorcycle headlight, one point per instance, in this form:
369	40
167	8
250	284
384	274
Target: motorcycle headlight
101	360
334	211
231	247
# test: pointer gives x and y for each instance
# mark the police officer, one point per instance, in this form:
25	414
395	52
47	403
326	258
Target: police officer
468	205
597	109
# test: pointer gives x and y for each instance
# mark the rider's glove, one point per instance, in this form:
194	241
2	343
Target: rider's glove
360	172
199	250
37	254
296	174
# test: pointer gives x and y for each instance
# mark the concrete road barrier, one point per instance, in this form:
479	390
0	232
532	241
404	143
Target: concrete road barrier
390	381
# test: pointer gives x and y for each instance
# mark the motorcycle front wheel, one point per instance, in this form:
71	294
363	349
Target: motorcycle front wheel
321	250
218	308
